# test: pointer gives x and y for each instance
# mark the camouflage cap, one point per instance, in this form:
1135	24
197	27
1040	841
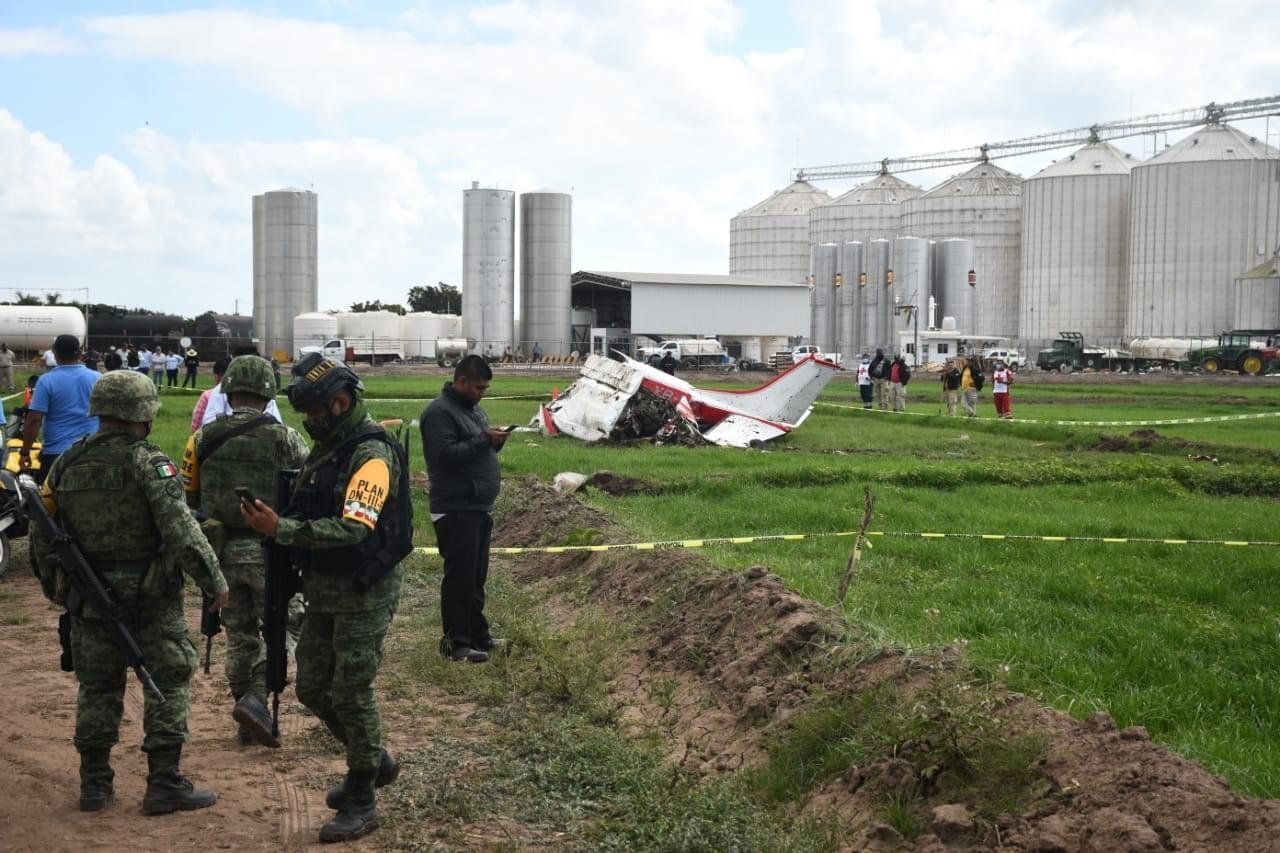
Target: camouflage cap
125	395
317	380
249	374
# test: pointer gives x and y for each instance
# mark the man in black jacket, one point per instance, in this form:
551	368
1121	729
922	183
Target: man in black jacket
879	371
461	450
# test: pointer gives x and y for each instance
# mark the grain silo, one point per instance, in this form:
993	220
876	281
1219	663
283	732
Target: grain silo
953	262
488	269
912	282
285	266
870	211
849	300
1200	211
984	205
1075	227
771	239
1256	297
546	231
877	295
822	296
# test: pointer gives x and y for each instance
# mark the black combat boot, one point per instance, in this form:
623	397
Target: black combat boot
96	777
168	790
388	770
252	715
358	815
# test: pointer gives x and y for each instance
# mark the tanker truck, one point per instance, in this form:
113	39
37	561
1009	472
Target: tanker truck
30	329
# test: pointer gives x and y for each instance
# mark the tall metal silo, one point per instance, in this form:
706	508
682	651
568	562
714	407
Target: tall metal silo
849	303
870	211
912	281
1075	242
822	297
1256	297
983	204
286	279
877	295
953	261
1200	211
546	235
488	268
771	239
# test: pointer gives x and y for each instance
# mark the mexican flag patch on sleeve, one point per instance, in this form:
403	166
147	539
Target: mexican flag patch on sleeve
166	469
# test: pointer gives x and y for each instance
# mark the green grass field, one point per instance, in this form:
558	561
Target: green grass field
1184	640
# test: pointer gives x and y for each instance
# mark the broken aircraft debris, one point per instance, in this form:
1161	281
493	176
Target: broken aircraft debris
626	400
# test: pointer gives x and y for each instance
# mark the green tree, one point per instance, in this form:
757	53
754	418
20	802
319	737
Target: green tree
440	298
377	305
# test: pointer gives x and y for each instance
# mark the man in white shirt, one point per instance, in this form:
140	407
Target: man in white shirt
50	360
219	405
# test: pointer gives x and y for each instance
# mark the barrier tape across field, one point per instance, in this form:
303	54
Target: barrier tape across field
676	544
1161	422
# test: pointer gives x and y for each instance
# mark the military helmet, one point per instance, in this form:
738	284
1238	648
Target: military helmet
249	374
317	380
124	395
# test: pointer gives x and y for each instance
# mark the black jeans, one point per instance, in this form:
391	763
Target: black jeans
46	462
173	377
463	539
191	377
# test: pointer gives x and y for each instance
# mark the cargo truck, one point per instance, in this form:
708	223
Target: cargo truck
689	353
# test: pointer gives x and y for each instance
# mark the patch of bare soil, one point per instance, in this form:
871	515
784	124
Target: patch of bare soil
726	659
267	799
617	484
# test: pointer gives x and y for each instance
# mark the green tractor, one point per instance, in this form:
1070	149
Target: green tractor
1247	351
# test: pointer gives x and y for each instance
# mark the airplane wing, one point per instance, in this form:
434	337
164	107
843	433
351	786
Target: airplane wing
740	431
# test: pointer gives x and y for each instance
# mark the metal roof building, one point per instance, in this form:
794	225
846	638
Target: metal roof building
694	304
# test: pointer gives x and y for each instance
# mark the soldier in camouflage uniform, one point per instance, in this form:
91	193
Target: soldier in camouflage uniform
244	448
139	548
348	526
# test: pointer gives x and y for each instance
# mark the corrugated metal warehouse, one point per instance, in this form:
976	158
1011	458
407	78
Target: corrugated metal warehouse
685	304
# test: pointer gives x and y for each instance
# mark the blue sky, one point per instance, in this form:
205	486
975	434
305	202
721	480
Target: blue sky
132	135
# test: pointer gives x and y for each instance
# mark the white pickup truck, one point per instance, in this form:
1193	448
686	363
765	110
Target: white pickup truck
356	349
803	351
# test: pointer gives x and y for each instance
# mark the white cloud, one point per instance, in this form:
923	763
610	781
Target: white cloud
34	42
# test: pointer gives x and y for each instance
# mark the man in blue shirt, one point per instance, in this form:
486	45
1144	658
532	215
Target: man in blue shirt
60	405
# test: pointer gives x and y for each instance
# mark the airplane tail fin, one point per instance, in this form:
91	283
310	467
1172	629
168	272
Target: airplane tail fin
786	398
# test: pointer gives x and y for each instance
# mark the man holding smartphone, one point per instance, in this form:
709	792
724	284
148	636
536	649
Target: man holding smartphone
461	450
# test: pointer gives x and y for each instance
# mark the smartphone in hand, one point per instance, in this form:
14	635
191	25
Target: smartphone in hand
243	493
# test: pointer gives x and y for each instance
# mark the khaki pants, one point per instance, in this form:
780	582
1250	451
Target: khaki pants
899	396
881	393
953	399
970	402
6	377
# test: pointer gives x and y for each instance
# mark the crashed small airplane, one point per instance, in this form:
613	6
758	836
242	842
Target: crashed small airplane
627	399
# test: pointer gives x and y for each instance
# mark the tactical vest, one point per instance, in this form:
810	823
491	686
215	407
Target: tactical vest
250	459
321	495
102	503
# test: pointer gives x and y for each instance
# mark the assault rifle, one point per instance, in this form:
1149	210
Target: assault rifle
281	584
90	586
210	626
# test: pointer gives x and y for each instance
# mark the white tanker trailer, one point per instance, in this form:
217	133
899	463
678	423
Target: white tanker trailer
32	328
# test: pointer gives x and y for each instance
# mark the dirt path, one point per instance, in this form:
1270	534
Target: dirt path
267	799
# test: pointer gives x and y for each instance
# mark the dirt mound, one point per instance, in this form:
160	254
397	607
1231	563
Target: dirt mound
616	484
725	665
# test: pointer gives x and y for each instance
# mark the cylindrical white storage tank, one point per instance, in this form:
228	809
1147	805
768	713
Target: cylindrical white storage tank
771	345
984	205
32	328
912	281
1200	212
953	261
876	295
1075	248
420	330
375	332
1257	298
313	329
822	297
546	233
771	239
488	268
452	325
286	279
870	211
849	303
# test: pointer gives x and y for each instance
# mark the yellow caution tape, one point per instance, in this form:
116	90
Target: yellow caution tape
1164	422
678	544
